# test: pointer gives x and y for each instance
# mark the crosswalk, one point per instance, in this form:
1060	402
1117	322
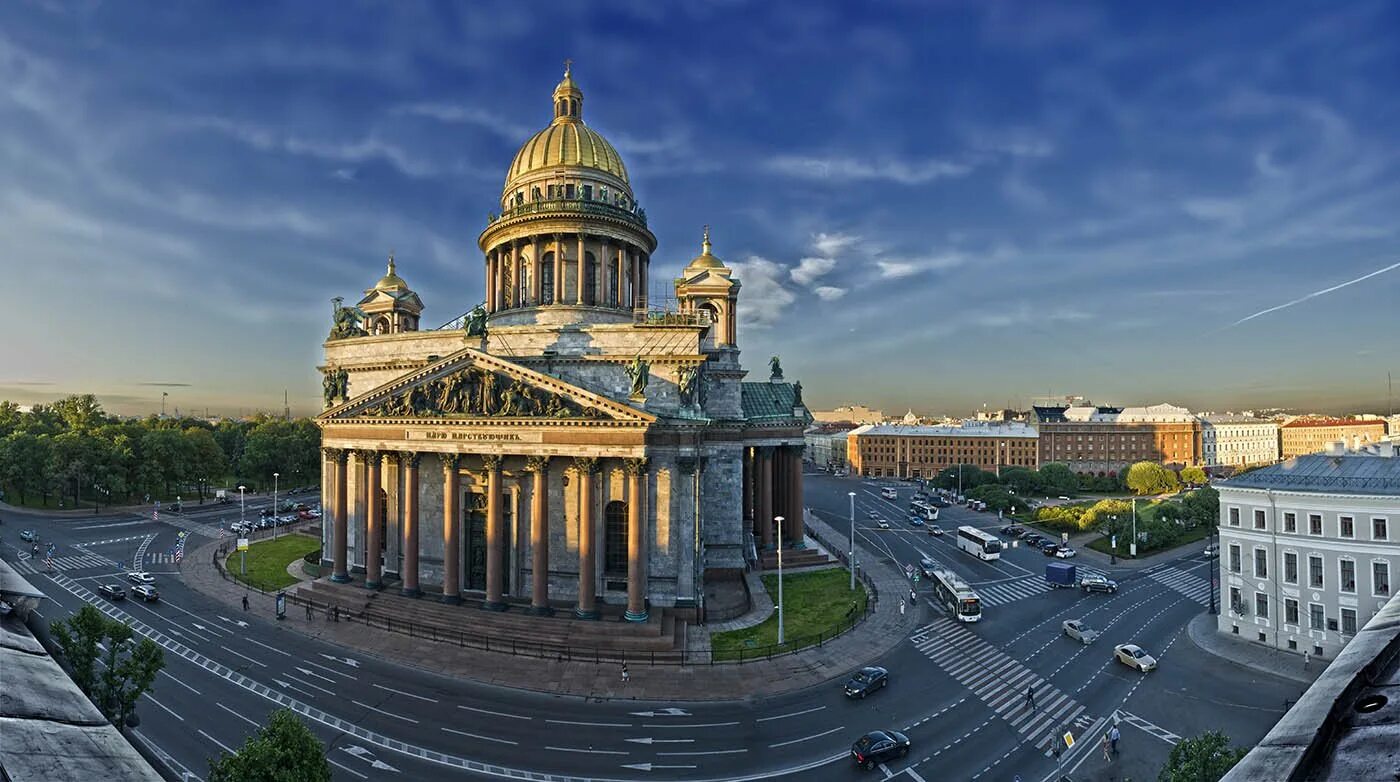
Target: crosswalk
35	565
1022	588
999	681
1192	586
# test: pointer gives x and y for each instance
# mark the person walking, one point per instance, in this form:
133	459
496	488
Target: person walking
1103	745
1030	697
1307	658
625	676
901	606
308	611
245	602
1113	736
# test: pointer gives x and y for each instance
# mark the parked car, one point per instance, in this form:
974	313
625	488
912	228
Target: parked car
146	592
882	524
878	746
1049	549
934	529
1133	656
927	566
1098	584
1009	529
28	535
1064	552
866	681
112	591
140	577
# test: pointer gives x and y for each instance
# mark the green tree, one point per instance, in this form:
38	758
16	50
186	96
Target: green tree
283	750
206	459
1021	480
1193	475
24	460
10	417
1201	506
1058	479
972	477
80	412
129	666
164	458
997	497
1150	478
1203	758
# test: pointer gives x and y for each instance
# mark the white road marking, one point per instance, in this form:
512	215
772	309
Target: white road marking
152	699
592	724
793	714
694	725
330	670
177	681
269	648
588	751
308	684
409	694
496	713
222	745
386	713
344	767
711	752
240	716
478	736
807	738
244	656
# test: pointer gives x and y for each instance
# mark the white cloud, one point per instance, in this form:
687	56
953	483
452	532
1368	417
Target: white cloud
892	269
809	270
1214	210
361	150
896	269
764	298
832	245
904	172
467	115
829	292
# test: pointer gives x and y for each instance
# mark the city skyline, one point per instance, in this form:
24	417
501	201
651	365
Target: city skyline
1065	200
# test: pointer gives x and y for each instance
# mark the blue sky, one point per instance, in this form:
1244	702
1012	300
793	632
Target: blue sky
936	205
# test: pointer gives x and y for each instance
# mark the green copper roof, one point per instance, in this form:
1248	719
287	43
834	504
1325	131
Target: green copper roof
770	401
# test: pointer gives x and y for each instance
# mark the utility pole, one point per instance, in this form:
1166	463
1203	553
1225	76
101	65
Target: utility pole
851	555
779	520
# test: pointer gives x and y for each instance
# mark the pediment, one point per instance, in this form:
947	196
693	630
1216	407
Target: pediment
472	385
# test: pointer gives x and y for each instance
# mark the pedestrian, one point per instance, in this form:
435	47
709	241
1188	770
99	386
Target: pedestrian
1307	658
337	612
913	596
625	675
1030	697
308	611
1103	745
1113	736
901	606
245	602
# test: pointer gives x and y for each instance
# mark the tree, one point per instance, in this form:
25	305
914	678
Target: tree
10	417
972	476
206	459
1058	479
1150	478
283	749
996	497
1194	475
1203	758
1201	506
129	667
1021	480
24	460
164	458
80	412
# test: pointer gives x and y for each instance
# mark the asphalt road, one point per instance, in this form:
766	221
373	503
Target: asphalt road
956	689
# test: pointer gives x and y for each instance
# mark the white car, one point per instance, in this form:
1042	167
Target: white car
1134	657
1064	552
140	577
1211	549
882	524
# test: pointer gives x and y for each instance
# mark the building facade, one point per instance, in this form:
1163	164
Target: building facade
1103	440
826	445
1238	441
1306	434
566	443
1309	548
897	451
853	414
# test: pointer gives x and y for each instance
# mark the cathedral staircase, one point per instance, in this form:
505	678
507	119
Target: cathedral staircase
515	631
794	559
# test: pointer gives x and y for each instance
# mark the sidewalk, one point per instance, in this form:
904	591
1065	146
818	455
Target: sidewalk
1249	654
884	629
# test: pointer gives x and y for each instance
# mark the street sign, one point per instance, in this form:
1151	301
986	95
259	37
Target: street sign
1069	740
242	544
1064	537
281	605
909	571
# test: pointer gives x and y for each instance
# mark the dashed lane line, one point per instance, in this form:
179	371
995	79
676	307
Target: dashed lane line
793	714
409	694
588	751
385	713
807	738
480	737
494	713
255	725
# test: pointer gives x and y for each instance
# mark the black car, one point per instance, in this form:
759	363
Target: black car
866	681
878	746
112	591
1049	549
1009	529
1098	584
928	567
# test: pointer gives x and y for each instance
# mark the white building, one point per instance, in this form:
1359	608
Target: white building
1309	548
826	447
1238	441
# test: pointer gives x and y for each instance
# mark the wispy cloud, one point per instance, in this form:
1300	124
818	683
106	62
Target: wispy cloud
1315	294
459	114
165	385
829	292
895	268
765	300
846	169
809	270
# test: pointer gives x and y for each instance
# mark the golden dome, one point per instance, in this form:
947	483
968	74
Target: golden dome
706	259
391	281
567	141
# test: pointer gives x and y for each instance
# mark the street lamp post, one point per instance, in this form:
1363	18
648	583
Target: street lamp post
1132	544
274	504
240	503
1214	566
779	520
1113	539
851	555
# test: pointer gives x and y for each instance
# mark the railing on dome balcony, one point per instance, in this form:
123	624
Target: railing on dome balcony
654	317
576	205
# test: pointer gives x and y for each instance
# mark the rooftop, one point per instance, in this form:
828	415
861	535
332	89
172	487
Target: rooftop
968	429
1299	423
1352	472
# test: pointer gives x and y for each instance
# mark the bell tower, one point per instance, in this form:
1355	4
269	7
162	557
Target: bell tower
707	287
390	307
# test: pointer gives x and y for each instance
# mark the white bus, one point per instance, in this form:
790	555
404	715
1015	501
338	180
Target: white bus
889	493
955	596
923	510
978	543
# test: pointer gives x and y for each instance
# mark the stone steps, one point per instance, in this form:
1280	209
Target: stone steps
794	558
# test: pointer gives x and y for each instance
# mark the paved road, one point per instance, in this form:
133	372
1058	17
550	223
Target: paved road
957	689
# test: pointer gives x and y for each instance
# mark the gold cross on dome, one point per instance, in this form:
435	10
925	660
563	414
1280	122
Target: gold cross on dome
568	66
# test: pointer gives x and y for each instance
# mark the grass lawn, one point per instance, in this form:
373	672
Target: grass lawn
816	605
1193	535
268	561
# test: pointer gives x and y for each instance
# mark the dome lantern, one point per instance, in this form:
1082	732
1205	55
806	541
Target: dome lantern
568	98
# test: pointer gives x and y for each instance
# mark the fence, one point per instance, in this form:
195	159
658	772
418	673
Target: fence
560	652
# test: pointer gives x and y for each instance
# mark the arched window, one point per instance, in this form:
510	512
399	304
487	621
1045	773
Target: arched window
522	281
547	278
615	538
590	278
708	308
381	325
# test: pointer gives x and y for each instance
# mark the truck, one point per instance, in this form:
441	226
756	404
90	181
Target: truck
1074	628
1060	574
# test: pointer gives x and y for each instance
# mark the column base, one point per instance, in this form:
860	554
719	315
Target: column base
411	592
800	544
540	611
640	616
340	578
375	585
494	606
452	600
579	613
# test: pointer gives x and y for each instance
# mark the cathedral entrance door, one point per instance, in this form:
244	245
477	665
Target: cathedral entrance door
474	543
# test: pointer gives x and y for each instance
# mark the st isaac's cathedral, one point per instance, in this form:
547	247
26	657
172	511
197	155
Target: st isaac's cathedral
567	445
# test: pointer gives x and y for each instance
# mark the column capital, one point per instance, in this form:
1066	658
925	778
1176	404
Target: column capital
390	457
536	463
687	464
451	462
586	465
410	458
336	454
635	466
367	455
491	462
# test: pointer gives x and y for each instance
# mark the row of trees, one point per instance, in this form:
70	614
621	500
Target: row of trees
73	451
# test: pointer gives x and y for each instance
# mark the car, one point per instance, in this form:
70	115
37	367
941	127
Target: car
866	681
928	566
882	524
878	746
303	506
28	535
140	577
1133	656
915	521
1212	549
305	515
146	592
1009	529
870	514
1064	552
938	502
934	529
1049	549
1018	531
266	512
1098	584
112	591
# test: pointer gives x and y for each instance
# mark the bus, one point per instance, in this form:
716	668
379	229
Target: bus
955	596
978	543
923	510
889	493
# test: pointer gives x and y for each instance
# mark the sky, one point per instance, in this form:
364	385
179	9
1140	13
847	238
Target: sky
936	205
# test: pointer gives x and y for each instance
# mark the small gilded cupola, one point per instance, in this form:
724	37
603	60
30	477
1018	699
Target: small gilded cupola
707	287
390	307
568	98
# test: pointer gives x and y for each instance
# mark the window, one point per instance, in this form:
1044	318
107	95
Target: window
1234	558
615	538
1290	522
1317	620
1314	524
1261	563
1348	568
1261	605
588	192
1378	530
1380	578
1348	621
568	191
1290	567
1290	611
1236	602
1234	517
1314	571
1260	519
1346	527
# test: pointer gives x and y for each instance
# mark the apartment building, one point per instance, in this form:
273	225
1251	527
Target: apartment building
1238	441
898	451
1309	434
1102	440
